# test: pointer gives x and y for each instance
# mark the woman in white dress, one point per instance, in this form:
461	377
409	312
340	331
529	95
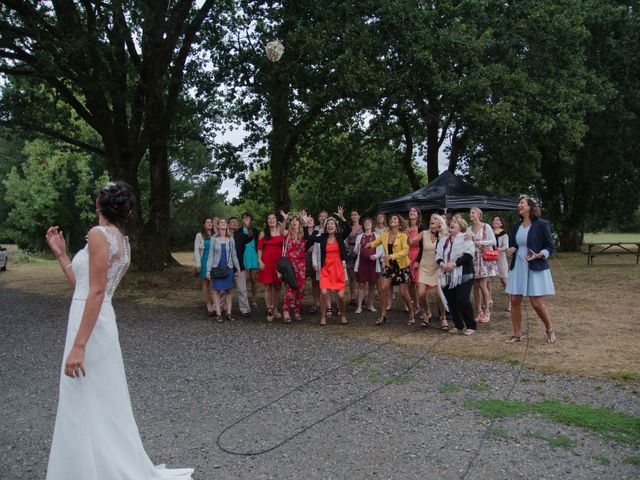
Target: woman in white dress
95	435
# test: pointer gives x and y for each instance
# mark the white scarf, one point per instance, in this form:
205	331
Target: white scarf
452	251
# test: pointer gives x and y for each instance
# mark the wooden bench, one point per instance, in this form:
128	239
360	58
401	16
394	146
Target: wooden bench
603	248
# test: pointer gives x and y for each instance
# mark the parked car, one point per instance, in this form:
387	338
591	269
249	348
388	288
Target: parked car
3	259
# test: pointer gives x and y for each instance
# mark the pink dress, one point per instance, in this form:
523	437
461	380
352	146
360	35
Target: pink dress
414	250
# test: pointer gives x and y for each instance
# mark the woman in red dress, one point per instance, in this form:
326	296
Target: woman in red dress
294	250
333	255
269	251
415	250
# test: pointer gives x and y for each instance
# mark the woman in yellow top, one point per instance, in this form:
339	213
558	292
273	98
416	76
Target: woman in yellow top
396	265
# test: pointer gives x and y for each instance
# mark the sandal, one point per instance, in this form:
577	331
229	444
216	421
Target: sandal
286	320
381	321
276	313
269	315
444	326
297	317
411	321
551	336
229	317
426	320
513	339
344	321
219	318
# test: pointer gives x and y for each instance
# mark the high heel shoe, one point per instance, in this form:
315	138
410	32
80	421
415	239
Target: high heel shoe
381	321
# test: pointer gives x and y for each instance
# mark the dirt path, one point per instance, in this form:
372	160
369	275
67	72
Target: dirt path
190	379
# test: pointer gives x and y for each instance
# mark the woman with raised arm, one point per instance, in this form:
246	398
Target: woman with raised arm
396	265
415	254
428	271
294	249
332	268
200	256
269	251
224	257
531	245
484	239
95	435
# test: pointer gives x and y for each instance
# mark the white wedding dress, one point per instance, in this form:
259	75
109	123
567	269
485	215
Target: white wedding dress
95	435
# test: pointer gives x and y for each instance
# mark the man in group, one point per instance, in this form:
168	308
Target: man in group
241	239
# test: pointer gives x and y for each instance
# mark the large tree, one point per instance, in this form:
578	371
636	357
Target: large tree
121	67
323	73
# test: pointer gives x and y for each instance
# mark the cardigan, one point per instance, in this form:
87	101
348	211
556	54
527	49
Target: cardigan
400	248
322	240
198	249
356	251
215	252
539	240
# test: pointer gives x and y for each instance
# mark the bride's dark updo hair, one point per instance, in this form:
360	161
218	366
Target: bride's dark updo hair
117	202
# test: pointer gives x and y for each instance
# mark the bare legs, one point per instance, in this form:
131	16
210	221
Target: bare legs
482	296
325	298
422	297
384	300
361	288
541	310
207	294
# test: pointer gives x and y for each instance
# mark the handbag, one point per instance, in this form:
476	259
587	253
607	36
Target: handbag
219	272
489	255
284	268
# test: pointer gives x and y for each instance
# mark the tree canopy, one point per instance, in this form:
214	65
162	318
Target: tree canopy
534	96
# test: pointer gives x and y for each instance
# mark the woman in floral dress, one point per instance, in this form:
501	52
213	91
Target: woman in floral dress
294	250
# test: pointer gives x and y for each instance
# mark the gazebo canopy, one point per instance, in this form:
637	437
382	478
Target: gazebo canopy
448	192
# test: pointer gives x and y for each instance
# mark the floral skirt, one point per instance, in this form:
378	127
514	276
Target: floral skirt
396	274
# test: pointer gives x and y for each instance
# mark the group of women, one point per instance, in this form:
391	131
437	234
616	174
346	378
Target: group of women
448	260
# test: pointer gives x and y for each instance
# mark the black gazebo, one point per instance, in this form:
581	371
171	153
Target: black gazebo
448	192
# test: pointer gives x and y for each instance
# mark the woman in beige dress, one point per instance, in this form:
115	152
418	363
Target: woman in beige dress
428	273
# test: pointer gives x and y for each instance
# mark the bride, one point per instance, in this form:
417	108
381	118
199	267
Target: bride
95	435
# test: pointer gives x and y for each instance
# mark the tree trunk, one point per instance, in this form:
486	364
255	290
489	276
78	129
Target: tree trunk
433	147
282	142
407	156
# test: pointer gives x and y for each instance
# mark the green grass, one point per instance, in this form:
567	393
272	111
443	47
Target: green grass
634	460
605	421
559	441
611	237
499	432
480	387
601	459
449	388
24	260
624	375
362	360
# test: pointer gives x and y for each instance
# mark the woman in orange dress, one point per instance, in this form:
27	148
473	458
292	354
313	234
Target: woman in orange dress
333	255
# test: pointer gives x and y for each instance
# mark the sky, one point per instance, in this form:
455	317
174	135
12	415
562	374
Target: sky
236	136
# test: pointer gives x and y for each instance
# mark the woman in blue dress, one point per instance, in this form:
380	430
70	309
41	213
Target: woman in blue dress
531	244
222	253
251	257
200	256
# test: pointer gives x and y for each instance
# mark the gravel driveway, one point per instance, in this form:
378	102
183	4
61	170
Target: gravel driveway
190	379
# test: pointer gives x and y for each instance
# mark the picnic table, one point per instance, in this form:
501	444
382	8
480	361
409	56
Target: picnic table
604	248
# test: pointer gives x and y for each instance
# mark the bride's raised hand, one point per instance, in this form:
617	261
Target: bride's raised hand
55	240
